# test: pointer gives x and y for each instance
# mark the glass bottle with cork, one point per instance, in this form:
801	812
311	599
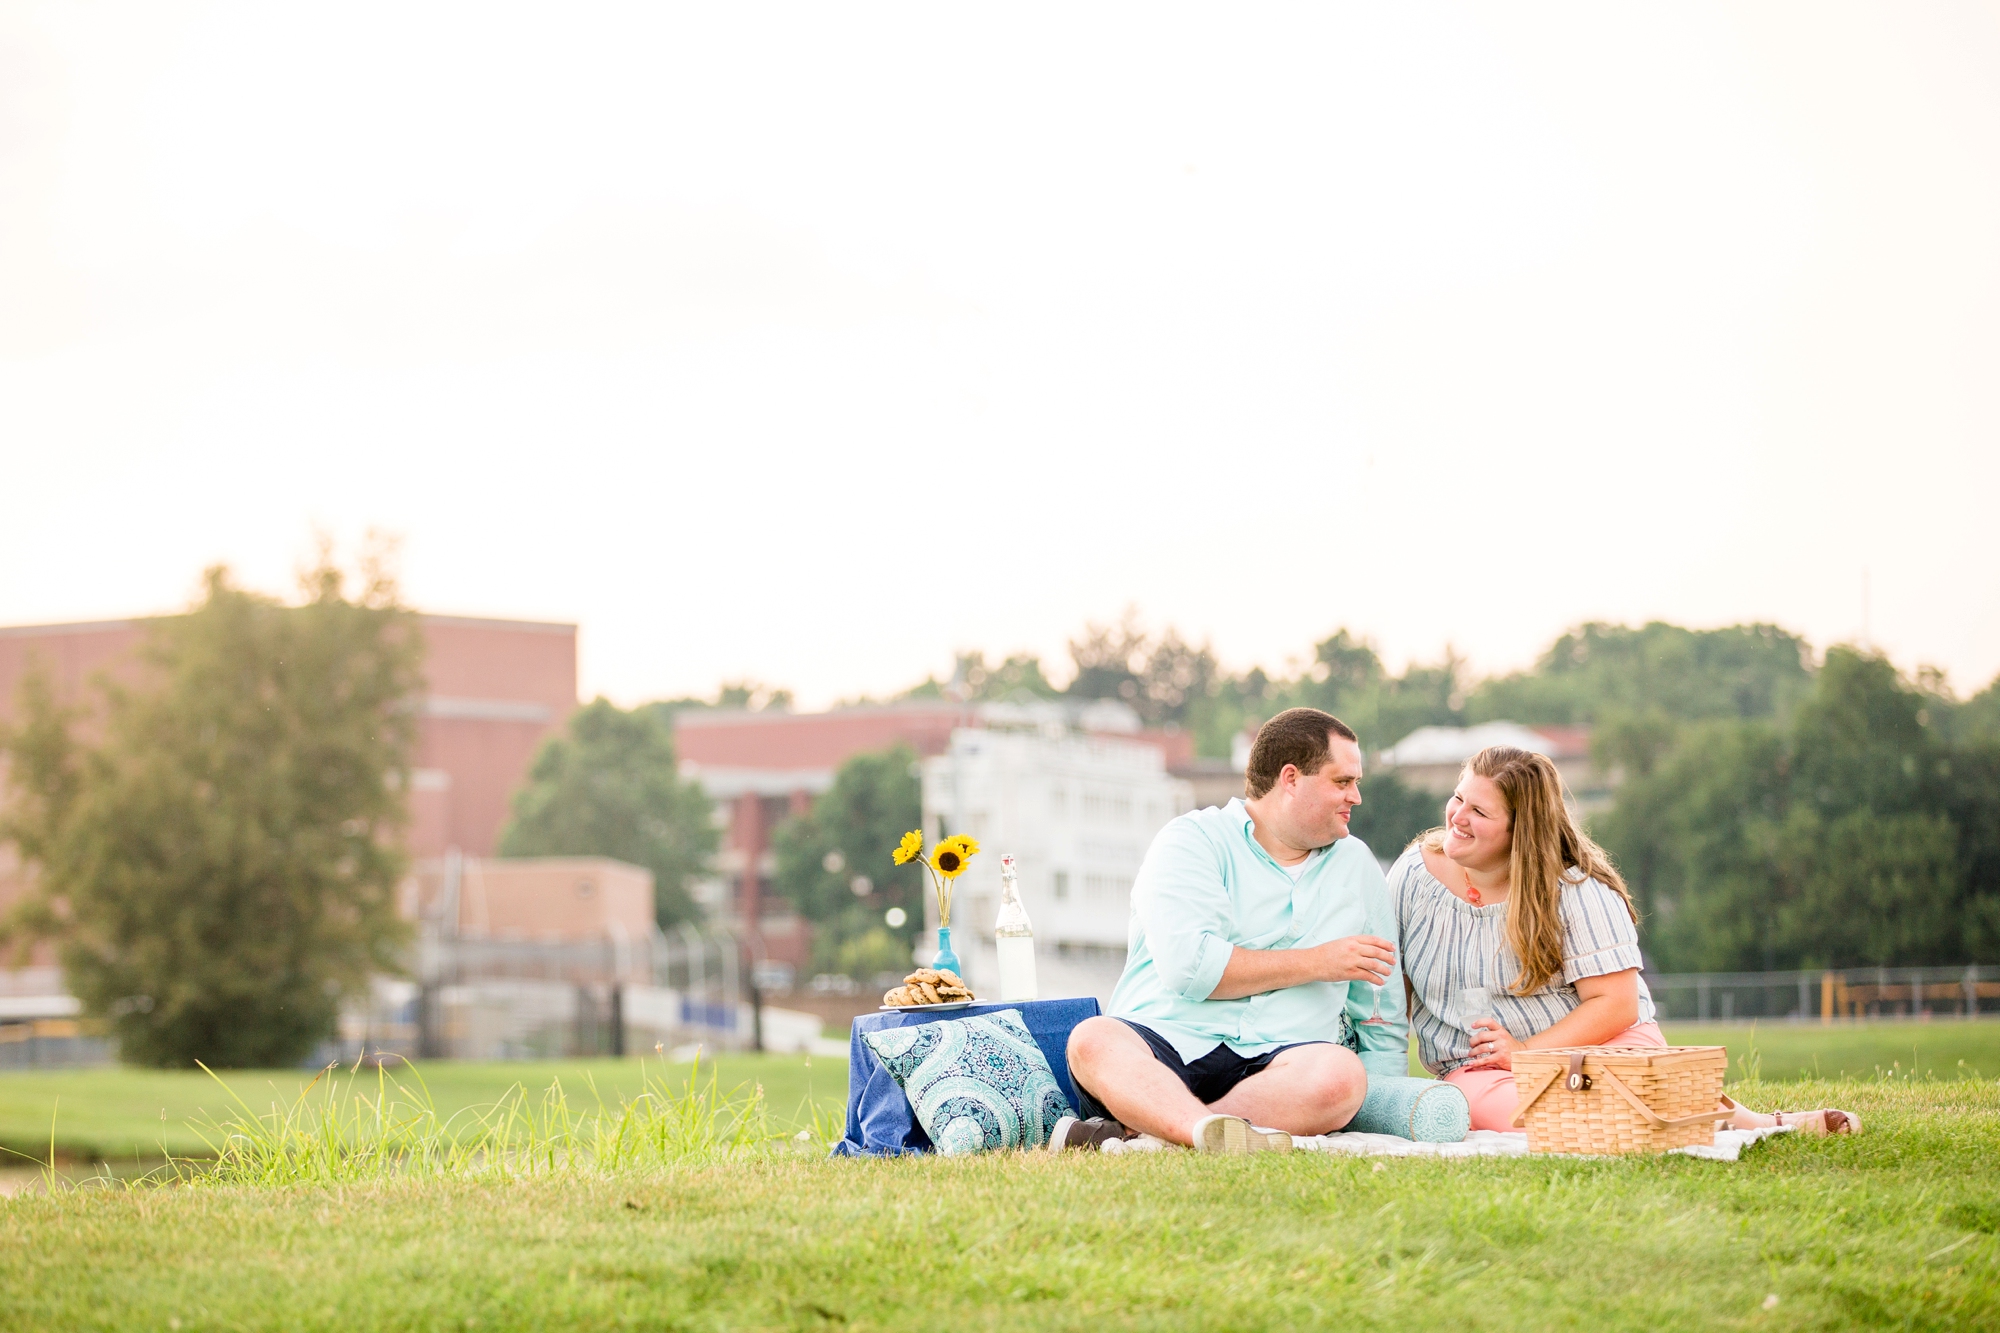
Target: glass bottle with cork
1014	938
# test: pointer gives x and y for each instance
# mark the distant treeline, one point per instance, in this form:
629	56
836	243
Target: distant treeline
1594	675
1777	810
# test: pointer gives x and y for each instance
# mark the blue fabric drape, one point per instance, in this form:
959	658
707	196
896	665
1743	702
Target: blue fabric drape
880	1122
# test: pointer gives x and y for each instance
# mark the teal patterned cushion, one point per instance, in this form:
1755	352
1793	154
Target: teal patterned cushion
975	1083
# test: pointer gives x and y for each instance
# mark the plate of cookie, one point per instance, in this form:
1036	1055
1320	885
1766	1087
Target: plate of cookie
929	988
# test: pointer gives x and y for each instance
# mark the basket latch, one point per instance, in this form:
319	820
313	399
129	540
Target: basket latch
1578	1081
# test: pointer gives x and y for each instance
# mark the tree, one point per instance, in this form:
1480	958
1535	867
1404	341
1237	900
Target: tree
745	695
1854	836
1344	669
1237	702
1598	670
1020	674
1347	679
834	864
1978	718
1690	839
611	787
219	869
1392	812
1104	658
1165	679
1971	799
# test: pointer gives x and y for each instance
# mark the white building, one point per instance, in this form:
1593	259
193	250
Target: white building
1431	758
1077	813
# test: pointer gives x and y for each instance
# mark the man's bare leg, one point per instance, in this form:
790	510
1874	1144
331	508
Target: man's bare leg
1312	1089
1122	1072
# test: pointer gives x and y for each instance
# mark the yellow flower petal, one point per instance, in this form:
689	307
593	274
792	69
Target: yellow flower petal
948	858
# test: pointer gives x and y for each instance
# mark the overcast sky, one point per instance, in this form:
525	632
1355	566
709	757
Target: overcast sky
812	343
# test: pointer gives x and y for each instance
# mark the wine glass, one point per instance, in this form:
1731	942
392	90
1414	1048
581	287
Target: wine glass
1375	1011
1476	1002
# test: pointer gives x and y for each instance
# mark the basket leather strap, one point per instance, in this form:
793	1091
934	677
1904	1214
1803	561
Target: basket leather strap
1654	1116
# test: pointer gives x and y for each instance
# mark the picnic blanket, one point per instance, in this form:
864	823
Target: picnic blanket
1729	1145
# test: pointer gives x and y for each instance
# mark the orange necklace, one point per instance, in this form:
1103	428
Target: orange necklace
1472	893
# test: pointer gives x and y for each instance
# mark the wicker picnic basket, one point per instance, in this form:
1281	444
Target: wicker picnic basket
1619	1099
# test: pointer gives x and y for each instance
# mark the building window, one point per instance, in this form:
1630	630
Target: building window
1062	886
1059	803
1107	890
1107	807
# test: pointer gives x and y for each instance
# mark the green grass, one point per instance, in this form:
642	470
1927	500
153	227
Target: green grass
121	1113
1853	1050
1893	1229
135	1113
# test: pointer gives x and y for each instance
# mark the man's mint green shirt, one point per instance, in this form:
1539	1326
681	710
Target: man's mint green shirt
1207	887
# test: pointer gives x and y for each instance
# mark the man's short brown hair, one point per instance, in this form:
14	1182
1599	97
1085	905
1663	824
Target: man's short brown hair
1297	736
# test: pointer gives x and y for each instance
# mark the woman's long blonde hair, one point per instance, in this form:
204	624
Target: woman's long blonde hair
1549	851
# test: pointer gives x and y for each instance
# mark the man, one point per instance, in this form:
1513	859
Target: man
1251	925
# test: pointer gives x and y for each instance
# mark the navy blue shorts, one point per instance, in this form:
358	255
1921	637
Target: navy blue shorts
1209	1078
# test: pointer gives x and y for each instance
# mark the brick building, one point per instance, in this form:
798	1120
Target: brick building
494	690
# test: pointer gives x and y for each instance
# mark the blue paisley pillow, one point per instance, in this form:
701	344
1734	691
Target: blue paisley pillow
975	1083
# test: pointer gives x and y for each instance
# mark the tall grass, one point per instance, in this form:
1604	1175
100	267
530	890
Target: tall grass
348	1127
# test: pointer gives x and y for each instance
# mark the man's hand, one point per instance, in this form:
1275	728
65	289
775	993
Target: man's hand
1366	958
1256	971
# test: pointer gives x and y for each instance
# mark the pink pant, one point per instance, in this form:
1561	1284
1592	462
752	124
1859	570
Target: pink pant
1491	1091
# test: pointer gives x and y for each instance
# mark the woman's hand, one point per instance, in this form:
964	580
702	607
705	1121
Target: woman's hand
1493	1046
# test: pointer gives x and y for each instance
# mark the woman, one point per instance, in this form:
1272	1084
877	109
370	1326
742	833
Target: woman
1511	896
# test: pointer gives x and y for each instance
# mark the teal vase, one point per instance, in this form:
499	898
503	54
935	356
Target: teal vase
946	960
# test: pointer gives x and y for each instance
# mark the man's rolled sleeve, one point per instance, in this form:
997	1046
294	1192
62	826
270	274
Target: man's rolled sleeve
1185	920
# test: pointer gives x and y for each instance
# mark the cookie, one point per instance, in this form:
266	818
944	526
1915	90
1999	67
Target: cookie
949	977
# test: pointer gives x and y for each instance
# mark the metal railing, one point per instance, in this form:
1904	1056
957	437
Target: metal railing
478	998
1827	995
54	1043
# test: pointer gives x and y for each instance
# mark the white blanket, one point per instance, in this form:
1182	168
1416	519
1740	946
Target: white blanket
1729	1145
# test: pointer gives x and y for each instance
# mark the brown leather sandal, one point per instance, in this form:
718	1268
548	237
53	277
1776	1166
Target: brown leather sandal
1822	1122
1818	1123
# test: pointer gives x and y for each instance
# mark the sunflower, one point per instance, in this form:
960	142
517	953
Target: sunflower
912	848
951	855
